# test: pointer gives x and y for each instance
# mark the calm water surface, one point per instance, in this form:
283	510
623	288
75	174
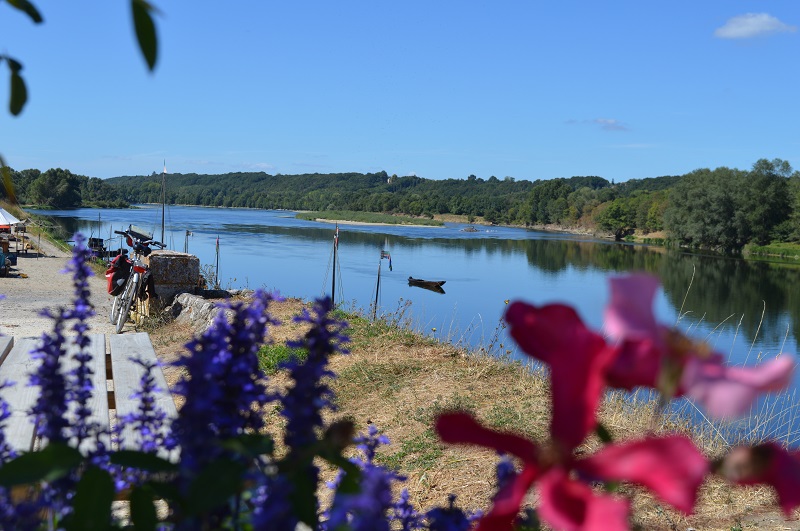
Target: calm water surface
747	310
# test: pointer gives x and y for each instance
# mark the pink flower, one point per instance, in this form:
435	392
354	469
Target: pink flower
577	357
671	467
654	355
767	463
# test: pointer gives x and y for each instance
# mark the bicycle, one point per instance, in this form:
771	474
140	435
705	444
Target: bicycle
137	273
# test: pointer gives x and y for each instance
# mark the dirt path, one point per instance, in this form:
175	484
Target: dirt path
37	282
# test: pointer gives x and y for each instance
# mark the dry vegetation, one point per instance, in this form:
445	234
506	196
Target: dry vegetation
399	381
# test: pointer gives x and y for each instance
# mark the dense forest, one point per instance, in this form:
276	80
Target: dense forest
57	188
721	209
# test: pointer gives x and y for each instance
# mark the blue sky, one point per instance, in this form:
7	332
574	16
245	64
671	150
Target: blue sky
443	89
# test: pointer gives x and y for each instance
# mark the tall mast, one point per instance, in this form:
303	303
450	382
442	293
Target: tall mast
333	282
163	197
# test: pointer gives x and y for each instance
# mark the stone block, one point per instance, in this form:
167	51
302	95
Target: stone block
173	273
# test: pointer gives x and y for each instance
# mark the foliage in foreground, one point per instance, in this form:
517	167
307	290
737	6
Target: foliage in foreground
227	475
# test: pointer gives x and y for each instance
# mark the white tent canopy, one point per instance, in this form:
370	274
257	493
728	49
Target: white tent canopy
6	218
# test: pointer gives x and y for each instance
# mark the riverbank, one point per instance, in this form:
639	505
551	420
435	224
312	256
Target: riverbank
399	381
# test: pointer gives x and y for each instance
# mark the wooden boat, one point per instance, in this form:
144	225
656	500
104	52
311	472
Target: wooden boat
432	285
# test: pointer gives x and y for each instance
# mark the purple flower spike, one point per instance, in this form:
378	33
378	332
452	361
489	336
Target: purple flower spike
369	443
405	514
222	388
304	402
51	406
448	519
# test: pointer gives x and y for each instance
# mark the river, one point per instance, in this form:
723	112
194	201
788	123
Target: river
748	310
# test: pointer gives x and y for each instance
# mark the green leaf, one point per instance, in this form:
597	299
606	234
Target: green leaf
145	31
6	183
27	8
142	461
215	485
250	445
19	93
304	499
54	462
143	510
92	503
351	481
603	433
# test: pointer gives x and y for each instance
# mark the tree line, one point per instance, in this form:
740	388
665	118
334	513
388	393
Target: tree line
59	189
721	209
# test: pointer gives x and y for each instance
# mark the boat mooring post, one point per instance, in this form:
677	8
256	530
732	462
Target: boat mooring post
216	268
377	292
333	282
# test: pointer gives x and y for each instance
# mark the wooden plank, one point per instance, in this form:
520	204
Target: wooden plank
6	342
98	404
16	368
127	377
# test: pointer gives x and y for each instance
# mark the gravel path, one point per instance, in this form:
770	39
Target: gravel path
45	287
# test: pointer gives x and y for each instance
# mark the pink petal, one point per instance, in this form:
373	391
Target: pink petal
629	315
767	463
726	391
578	359
507	503
629	320
568	505
671	467
458	427
637	364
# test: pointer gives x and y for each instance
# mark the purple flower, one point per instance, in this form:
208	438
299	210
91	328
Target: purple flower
450	518
57	390
369	443
405	514
148	422
222	388
6	451
51	406
273	505
505	473
304	402
368	509
371	506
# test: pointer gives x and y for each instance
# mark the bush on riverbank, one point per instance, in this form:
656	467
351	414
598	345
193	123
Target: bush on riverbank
780	250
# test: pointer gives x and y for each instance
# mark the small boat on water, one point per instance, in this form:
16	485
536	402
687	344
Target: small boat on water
432	285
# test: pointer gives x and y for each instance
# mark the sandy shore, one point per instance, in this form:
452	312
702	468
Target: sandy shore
37	282
404	225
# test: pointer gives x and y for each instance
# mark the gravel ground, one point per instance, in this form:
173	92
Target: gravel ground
37	282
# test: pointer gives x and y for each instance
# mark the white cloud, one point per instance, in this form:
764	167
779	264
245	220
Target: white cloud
606	124
752	25
610	124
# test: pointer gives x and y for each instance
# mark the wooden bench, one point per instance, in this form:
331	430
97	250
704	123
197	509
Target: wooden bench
115	376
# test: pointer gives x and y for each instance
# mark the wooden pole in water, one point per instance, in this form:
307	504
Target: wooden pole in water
377	291
163	198
333	282
216	269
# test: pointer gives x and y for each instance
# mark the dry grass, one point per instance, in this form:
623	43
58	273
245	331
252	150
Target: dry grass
399	381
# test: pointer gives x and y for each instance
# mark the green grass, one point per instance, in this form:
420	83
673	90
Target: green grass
270	356
367	217
783	250
419	452
455	402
